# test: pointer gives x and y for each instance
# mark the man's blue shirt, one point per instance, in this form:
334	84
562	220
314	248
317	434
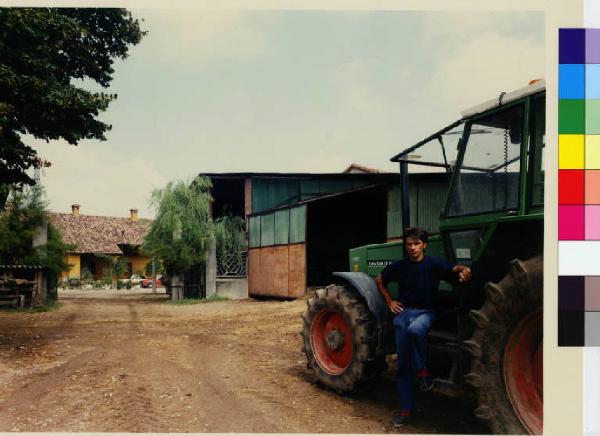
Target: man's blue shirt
418	282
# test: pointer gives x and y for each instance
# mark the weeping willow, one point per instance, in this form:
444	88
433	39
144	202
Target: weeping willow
180	235
230	236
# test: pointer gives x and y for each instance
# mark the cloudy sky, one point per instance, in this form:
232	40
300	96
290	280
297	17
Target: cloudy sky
285	91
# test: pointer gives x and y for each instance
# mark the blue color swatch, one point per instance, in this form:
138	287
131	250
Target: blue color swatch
572	81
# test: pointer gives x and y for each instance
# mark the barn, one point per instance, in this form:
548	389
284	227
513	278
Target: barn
300	226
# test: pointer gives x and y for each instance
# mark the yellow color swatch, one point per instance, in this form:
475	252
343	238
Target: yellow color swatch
592	152
570	152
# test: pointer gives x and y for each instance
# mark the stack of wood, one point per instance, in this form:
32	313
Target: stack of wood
17	291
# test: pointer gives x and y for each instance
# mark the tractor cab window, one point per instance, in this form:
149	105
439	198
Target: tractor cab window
488	177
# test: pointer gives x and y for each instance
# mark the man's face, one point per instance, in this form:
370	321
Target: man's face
415	248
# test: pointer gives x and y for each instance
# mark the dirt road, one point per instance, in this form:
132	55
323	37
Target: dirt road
111	361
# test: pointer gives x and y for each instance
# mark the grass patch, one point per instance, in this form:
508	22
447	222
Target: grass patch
210	299
50	307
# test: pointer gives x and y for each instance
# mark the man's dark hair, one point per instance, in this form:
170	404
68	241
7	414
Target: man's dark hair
416	233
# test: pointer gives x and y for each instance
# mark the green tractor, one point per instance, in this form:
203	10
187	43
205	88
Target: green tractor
487	340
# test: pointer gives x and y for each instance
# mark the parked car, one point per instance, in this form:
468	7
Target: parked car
134	280
147	283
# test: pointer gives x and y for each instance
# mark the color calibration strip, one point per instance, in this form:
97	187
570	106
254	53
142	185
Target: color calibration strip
579	187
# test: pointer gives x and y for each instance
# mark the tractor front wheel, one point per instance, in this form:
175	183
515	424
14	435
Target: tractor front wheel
340	339
506	350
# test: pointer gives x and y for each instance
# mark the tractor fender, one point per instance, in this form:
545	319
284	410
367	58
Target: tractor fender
367	288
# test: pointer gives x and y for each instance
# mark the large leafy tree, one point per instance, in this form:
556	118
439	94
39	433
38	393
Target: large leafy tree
43	51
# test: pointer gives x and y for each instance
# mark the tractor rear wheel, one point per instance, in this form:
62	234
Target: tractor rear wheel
340	339
506	349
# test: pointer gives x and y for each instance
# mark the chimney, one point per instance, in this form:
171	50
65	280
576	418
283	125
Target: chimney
75	209
133	213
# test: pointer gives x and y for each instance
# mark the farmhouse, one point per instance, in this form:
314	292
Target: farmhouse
100	239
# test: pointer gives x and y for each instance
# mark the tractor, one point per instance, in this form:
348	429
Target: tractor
487	340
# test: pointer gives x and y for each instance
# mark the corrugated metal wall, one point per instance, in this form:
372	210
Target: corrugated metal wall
268	193
427	199
286	226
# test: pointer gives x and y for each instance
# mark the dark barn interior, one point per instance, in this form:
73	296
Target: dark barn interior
228	195
337	223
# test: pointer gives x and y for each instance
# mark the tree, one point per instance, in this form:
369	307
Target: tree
42	52
230	238
179	236
19	224
229	233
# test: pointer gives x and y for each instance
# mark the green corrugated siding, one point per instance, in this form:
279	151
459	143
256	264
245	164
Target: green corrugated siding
328	186
426	201
259	195
394	224
297	224
254	231
282	226
309	187
281	191
270	193
267	230
432	198
394	214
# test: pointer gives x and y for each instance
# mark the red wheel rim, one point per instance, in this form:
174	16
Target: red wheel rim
523	372
331	341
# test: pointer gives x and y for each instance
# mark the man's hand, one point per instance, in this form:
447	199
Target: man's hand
395	306
464	273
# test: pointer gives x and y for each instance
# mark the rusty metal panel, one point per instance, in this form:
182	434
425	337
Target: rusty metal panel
248	196
254	271
267	264
297	270
281	271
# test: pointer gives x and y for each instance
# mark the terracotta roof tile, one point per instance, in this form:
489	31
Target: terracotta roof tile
99	234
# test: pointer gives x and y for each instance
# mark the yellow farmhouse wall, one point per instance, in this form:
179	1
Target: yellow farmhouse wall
74	262
138	263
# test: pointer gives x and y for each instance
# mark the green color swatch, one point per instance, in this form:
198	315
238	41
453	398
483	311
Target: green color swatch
571	116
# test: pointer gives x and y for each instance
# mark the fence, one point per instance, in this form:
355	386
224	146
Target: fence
233	264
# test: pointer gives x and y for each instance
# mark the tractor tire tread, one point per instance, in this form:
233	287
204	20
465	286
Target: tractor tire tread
365	365
508	301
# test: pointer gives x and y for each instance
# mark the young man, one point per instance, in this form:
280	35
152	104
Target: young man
418	277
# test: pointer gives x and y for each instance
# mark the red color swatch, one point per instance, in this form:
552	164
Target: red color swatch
571	187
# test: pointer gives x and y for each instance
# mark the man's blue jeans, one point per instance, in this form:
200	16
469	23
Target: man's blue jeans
411	327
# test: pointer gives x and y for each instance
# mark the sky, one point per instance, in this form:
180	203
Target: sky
285	91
